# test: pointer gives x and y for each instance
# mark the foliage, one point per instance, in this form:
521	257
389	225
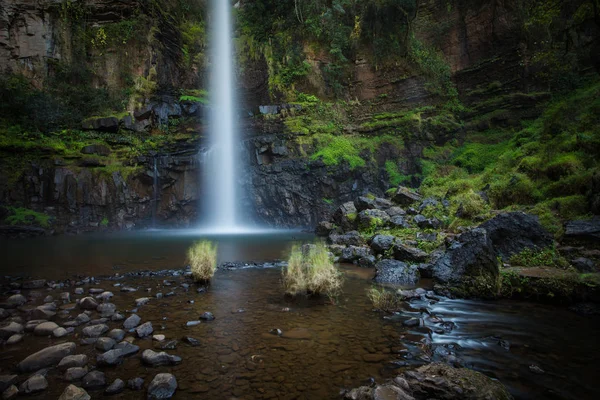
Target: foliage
539	258
25	216
384	300
197	96
202	257
104	222
334	149
311	271
394	175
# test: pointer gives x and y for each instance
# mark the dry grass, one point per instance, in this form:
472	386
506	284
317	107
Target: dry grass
202	257
311	271
384	300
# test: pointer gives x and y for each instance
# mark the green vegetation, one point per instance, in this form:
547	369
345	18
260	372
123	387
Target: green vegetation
202	257
383	299
539	258
311	271
197	96
25	216
104	222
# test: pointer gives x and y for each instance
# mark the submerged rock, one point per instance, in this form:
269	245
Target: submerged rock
47	357
132	321
78	360
155	359
116	387
144	330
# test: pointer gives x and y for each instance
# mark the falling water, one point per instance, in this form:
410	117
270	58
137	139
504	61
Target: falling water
221	213
156	193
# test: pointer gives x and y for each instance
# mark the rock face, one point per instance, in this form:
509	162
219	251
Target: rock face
435	381
585	229
469	267
47	357
512	233
396	272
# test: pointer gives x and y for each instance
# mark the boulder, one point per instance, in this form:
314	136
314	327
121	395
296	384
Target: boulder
163	386
382	243
94	380
324	228
144	330
469	267
132	321
73	392
511	233
104	344
116	387
364	203
395	211
10	393
110	358
426	223
584	265
407	253
14	339
584	229
155	359
127	348
352	254
396	272
398	221
345	216
372	218
352	238
405	197
16	300
47	357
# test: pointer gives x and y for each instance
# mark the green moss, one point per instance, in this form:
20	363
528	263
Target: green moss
104	222
197	96
539	258
25	216
335	149
394	174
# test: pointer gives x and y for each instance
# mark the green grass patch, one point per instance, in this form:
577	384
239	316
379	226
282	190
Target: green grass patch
25	216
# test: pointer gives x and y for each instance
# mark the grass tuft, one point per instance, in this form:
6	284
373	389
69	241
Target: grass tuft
384	300
202	257
311	271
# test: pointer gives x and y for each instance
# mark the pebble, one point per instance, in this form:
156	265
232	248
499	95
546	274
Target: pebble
142	301
116	387
116	334
105	344
135	384
155	359
35	383
193	323
60	332
14	339
207	316
144	330
159	338
163	386
73	392
75	373
95	331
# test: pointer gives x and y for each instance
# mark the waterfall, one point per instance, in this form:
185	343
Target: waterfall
221	192
156	192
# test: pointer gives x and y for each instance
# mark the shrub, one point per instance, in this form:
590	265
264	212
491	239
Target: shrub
470	204
383	299
202	257
311	271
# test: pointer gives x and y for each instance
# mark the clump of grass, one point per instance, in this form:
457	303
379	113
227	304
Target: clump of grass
470	204
311	271
384	300
202	257
539	258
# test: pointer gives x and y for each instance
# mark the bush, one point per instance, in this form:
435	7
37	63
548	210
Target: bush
383	299
202	257
470	204
311	271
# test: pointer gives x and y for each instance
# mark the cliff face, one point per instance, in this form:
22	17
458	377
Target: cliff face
146	54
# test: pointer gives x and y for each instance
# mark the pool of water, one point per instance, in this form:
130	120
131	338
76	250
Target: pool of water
325	347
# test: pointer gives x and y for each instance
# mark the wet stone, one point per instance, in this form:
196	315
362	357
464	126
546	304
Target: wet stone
95	331
47	357
110	358
94	379
48	299
190	324
159	338
142	301
144	330
65	297
73	392
170	345
127	348
60	332
10	329
16	300
105	296
131	322
105	344
82	319
36	383
116	334
191	341
14	339
88	303
155	359
77	360
75	373
207	316
45	329
163	386
7	380
116	387
79	291
135	384
116	317
10	393
106	309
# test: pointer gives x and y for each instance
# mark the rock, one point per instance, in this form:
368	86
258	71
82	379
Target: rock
191	341
3	314
584	265
159	338
16	300
45	329
104	124
36	383
116	387
116	334
47	357
94	380
110	358
511	233
469	267
427	237
60	332
426	223
170	345
352	254
406	253
75	373
372	218
135	384
398	221
144	330
324	228
105	296
7	380
382	243
11	329
45	312
405	197
345	216
395	211
35	284
412	322
207	316
364	203
352	238
88	303
142	301
98	149
131	322
584	229
73	392
65	297
104	344
14	339
48	299
106	309
10	393
127	348
79	291
155	359
397	272
82	319
163	386
116	317
78	360
95	331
